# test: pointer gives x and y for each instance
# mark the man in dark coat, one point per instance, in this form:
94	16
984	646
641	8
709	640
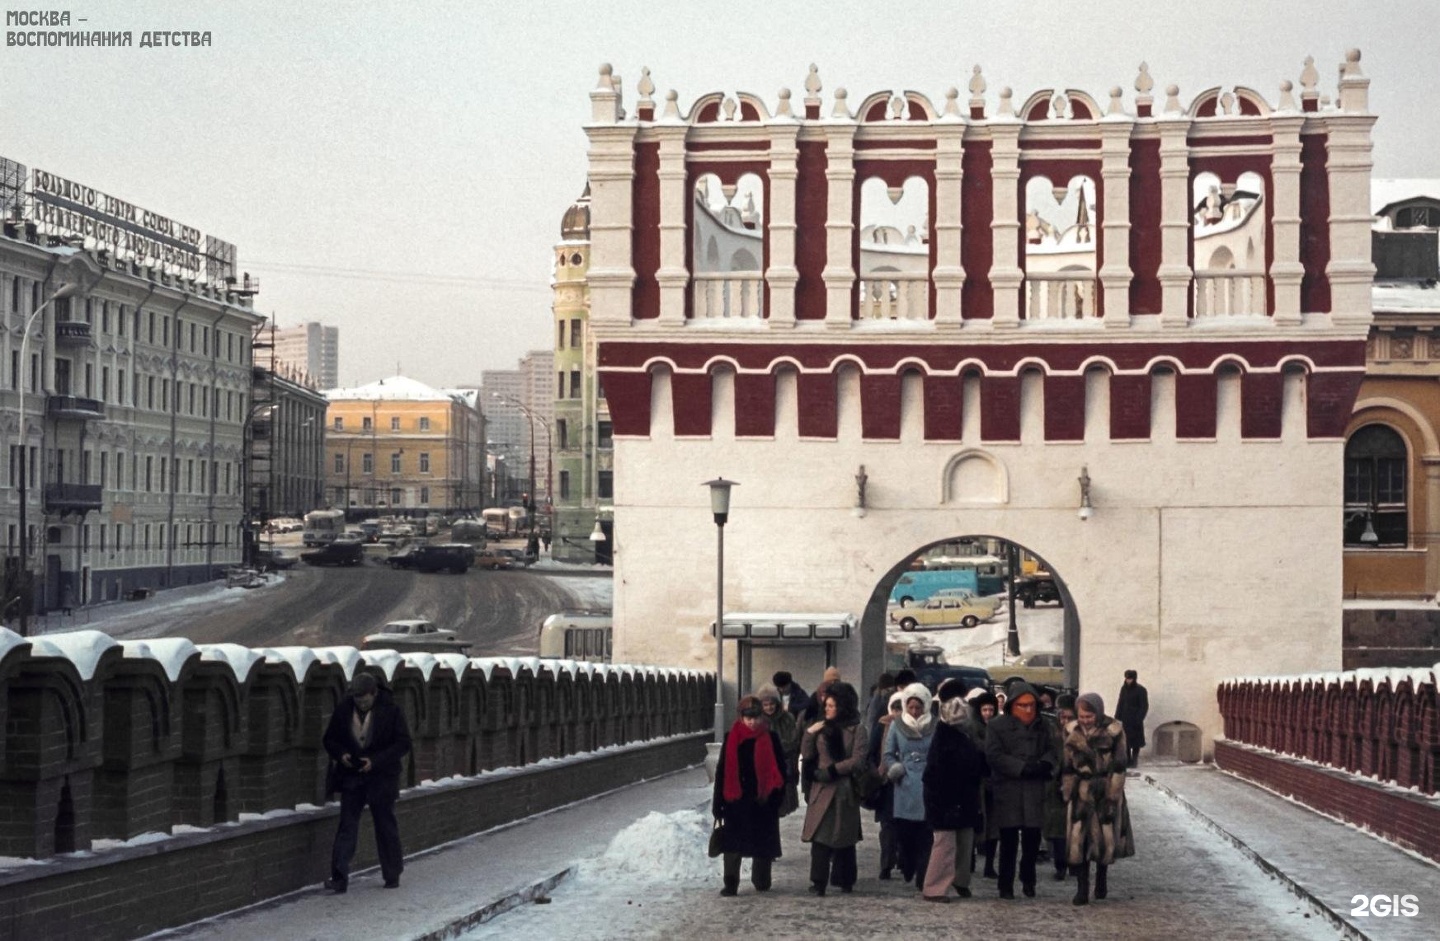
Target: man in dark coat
1131	707
1023	756
367	740
792	698
953	783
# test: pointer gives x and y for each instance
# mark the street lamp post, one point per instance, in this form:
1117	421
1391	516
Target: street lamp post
530	417
720	507
63	291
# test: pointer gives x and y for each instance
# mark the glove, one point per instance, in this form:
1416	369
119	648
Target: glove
895	772
1030	769
824	775
1045	769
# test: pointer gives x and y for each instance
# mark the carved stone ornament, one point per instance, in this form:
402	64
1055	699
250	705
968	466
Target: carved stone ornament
977	82
1402	347
1143	82
646	87
812	85
1309	75
1434	348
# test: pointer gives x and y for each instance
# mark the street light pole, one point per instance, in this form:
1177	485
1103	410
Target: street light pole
63	291
720	508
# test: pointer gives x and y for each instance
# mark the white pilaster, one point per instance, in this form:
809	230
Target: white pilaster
1348	162
1115	274
949	275
1006	275
839	274
1174	272
1286	271
672	276
782	275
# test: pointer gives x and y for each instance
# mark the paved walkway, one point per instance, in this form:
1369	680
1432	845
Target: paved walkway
1195	873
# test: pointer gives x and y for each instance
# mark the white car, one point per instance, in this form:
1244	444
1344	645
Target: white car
414	635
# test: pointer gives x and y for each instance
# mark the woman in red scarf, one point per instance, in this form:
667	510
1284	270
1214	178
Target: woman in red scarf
749	788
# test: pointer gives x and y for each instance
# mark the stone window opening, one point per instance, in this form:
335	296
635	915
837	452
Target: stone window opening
1376	507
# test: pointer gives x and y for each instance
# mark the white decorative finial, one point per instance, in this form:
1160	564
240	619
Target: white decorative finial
841	109
728	106
646	87
977	82
897	108
1309	76
952	102
1287	99
1352	62
606	71
1172	100
1007	107
782	110
672	104
1060	104
1117	107
1227	103
813	86
1354	88
1143	82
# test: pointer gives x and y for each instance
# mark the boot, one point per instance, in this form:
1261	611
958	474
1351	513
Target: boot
1102	887
1082	885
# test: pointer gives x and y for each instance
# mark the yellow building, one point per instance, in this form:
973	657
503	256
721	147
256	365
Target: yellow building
399	447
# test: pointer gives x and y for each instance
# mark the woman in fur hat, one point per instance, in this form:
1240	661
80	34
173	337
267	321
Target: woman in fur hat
1023	756
983	707
907	746
783	724
749	787
1093	782
953	783
835	747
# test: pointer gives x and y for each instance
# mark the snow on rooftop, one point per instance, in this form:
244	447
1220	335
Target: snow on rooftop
82	648
1404	296
391	388
172	653
1384	192
240	659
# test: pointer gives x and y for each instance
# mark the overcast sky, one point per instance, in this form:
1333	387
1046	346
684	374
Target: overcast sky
400	169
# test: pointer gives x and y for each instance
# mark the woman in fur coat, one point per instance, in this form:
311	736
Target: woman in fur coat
835	747
1093	782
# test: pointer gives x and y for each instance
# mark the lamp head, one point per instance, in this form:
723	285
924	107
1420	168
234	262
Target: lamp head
720	498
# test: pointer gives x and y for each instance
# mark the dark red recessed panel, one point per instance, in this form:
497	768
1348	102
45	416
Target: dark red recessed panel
880	407
1000	408
944	397
1261	398
1314	224
691	397
977	247
818	405
628	395
1329	402
645	248
1145	293
1130	407
755	405
1195	404
1064	408
812	194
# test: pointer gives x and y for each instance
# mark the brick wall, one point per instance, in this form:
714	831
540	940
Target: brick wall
132	891
1407	819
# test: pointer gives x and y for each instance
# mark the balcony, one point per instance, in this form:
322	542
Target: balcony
736	295
72	498
1229	293
72	333
895	296
1060	295
73	407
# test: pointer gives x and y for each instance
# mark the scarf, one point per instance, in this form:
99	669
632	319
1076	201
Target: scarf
954	711
360	728
768	778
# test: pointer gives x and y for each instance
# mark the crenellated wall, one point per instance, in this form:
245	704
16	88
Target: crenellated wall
108	740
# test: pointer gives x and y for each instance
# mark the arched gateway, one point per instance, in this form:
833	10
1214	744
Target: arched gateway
1170	437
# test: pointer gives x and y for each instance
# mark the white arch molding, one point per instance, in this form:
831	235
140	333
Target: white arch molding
1427	431
973	477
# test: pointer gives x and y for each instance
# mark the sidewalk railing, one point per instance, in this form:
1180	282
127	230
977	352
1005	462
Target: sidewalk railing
1381	724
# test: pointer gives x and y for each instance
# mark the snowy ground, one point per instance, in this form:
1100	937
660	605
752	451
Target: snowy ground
1041	630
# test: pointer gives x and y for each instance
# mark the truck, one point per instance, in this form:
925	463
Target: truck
468	530
322	526
915	586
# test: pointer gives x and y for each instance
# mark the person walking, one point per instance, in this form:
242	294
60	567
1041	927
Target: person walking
1053	832
783	724
1093	782
1023	756
793	699
883	801
1131	708
836	745
749	791
983	707
907	746
815	708
879	702
367	739
953	784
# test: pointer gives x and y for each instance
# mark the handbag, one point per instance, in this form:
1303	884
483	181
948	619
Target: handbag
867	783
717	839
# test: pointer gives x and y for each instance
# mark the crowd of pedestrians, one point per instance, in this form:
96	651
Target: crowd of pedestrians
953	781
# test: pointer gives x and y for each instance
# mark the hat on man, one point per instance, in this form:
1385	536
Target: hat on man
363	684
782	679
1131	675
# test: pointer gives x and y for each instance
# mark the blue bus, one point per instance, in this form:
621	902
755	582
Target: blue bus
915	586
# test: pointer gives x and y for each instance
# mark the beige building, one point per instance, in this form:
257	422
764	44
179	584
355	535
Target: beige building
397	446
308	354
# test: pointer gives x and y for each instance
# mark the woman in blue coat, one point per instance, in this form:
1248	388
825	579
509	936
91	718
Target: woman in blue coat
907	746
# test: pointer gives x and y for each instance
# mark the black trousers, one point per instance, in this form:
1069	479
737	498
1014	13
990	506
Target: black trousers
380	796
1133	753
1057	853
759	871
1028	839
836	865
914	839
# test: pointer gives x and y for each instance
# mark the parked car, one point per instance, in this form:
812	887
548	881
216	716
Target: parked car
342	551
523	558
1037	589
273	560
454	557
930	668
493	558
946	612
1043	668
415	635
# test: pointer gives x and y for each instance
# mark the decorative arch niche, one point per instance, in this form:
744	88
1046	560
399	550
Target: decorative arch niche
974	478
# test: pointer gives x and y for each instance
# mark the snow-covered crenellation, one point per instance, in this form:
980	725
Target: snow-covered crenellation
82	648
1418	676
172	653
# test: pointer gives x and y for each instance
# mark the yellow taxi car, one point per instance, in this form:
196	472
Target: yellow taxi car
947	611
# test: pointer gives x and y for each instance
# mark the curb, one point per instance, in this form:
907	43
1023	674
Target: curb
1334	918
458	926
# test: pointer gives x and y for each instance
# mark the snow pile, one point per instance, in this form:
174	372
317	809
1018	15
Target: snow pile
82	648
665	848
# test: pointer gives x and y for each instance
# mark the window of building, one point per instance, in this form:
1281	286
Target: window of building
1417	216
339	463
424	496
15	295
575	333
1376	513
104	316
339	423
395	496
560	337
560	385
424	462
564	485
149	478
562	433
395	463
394	422
604	434
15	369
424	423
574	383
366	424
367	463
605	485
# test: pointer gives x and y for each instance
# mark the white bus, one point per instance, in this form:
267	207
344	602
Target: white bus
577	635
322	526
